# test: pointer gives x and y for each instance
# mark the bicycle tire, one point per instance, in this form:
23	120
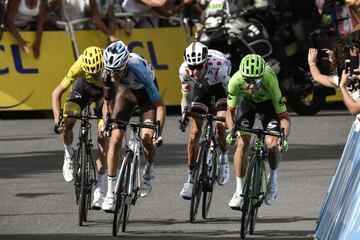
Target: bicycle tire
197	185
210	180
125	216
83	179
121	192
247	198
255	201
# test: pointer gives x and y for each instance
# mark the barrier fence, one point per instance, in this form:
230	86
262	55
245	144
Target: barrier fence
340	215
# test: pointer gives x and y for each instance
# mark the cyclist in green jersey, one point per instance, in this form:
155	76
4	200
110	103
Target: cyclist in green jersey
254	89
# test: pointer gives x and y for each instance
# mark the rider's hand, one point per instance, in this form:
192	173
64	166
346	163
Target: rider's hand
158	142
182	126
57	129
229	139
285	146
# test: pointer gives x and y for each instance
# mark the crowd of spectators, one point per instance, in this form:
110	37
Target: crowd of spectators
107	15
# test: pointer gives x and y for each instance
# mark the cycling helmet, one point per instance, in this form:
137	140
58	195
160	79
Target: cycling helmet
252	66
91	60
196	54
116	56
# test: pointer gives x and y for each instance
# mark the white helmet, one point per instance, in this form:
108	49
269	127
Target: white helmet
196	54
116	56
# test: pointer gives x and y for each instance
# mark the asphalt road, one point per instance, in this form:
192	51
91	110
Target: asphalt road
36	203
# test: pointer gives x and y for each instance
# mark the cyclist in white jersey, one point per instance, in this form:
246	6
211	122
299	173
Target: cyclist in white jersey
204	74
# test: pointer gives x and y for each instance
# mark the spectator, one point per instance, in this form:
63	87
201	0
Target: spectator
103	11
351	102
21	14
163	8
2	17
69	10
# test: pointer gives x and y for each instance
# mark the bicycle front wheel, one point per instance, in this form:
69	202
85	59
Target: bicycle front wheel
257	195
129	194
210	180
121	195
198	182
83	196
247	193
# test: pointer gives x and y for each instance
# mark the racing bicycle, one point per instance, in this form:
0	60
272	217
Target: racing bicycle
255	179
127	187
206	165
84	166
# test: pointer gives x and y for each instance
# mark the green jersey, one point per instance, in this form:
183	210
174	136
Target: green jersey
269	91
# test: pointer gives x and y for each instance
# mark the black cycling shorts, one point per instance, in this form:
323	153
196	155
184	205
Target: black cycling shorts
247	109
201	98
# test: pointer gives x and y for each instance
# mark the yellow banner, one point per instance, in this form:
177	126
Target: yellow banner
27	83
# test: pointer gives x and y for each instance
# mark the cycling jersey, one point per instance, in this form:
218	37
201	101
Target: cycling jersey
140	74
76	72
269	91
218	71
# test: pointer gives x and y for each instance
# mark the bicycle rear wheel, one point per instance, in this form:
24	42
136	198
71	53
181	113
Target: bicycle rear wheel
247	193
210	179
83	186
120	196
198	182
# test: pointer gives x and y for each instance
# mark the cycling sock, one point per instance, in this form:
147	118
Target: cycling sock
190	176
69	151
239	184
111	184
272	176
101	182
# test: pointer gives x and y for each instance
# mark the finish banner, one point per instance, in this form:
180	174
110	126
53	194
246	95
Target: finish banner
27	83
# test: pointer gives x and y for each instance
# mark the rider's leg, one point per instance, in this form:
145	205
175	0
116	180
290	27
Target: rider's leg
195	132
274	159
224	169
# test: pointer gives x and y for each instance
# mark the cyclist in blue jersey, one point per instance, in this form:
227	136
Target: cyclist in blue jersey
135	81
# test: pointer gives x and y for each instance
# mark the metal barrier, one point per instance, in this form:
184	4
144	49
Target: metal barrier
340	215
69	26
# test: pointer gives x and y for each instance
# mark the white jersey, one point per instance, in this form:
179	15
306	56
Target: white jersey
218	71
25	15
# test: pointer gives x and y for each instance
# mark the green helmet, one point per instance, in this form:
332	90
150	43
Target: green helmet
252	66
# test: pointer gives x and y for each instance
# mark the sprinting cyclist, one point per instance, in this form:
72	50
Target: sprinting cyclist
85	76
257	85
134	78
204	74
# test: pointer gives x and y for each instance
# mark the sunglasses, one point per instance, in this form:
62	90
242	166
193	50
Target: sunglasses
197	67
252	80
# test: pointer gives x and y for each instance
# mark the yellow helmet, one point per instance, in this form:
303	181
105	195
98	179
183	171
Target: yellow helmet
92	60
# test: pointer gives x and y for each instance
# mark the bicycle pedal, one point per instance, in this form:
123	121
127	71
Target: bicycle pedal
236	208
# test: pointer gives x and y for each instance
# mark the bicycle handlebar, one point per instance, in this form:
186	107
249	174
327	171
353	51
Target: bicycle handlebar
80	116
210	117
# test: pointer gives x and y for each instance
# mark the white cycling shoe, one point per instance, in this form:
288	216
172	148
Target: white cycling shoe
224	169
148	176
236	201
68	169
271	193
109	202
186	192
98	199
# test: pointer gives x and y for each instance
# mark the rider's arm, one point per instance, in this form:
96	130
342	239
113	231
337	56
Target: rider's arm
232	99
185	88
56	101
73	73
160	112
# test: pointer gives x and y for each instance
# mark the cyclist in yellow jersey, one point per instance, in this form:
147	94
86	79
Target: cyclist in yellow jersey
85	77
254	88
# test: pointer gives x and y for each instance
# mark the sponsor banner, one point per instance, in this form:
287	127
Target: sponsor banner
27	83
163	47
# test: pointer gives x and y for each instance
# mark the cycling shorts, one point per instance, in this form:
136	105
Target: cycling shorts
202	95
81	94
247	109
125	102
